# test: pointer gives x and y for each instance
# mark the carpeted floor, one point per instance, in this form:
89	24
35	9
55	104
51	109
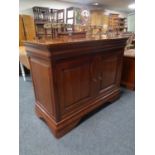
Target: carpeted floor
109	131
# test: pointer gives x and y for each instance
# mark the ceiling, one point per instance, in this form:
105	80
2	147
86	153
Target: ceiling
117	5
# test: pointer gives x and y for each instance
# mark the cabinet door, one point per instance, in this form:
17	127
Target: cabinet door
110	71
73	79
95	74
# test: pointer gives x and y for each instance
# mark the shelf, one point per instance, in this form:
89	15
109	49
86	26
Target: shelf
116	23
41	22
43	15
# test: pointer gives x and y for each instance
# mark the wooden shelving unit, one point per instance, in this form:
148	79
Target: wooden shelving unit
122	24
113	22
43	15
53	15
116	23
60	16
70	18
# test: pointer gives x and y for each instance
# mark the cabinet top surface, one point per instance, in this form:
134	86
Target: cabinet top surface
47	42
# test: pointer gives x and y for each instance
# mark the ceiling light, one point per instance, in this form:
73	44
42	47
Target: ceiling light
96	3
131	6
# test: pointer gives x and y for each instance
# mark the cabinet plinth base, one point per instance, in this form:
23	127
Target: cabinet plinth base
60	128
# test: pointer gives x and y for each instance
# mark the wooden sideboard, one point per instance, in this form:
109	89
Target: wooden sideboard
128	71
73	77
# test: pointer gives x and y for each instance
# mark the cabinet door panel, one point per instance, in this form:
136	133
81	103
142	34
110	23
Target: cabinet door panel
110	69
76	83
73	83
95	73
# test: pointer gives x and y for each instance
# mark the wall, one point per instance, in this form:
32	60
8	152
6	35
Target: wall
131	22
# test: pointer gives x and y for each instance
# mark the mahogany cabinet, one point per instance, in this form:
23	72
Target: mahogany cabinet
73	77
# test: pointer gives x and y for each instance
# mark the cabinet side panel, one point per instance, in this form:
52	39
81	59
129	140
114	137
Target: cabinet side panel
41	73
